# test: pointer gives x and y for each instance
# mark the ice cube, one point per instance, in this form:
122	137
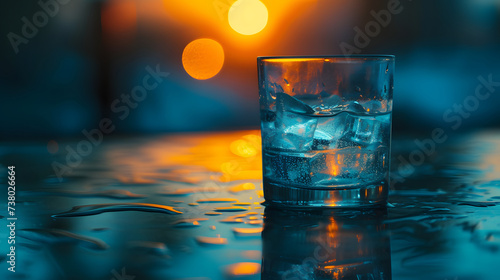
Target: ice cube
289	103
362	128
365	130
293	131
337	166
328	131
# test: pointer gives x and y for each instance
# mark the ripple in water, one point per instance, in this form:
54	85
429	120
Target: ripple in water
94	209
56	236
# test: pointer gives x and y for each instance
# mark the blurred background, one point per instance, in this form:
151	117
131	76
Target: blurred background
66	64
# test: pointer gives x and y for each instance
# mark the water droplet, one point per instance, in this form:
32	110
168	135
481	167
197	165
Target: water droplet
212	227
184	223
256	222
193	204
242	269
357	88
207	241
231	209
241	204
217	200
56	236
230	220
213	213
247	232
94	209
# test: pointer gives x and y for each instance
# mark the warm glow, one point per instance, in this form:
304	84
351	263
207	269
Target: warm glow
118	20
203	58
293	59
244	148
244	268
242	187
248	17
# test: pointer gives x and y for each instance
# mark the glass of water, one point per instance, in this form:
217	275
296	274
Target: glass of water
326	129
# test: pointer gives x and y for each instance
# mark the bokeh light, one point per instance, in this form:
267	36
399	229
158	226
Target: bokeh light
119	19
248	17
203	58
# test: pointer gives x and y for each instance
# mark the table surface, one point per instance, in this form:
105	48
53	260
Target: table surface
188	206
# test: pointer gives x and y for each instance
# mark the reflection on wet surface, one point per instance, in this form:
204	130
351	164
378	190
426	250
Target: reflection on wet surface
325	245
188	207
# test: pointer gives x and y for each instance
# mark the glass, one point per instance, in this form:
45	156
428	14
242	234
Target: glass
326	129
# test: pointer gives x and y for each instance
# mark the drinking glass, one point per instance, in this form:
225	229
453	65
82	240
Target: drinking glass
326	129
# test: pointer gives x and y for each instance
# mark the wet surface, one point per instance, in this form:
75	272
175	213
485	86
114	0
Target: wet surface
188	207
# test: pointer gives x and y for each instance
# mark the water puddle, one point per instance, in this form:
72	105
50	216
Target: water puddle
94	209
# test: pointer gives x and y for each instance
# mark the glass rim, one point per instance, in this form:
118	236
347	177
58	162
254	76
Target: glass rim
351	58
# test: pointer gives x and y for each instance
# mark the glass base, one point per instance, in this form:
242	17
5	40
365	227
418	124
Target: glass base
365	196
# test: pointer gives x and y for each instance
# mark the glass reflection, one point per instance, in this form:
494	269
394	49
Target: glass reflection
325	244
